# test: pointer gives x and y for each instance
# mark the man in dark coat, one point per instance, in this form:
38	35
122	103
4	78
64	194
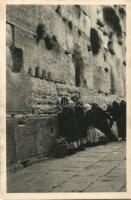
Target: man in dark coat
80	119
115	112
67	121
102	120
123	119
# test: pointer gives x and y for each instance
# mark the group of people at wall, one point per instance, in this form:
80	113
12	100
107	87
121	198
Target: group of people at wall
88	125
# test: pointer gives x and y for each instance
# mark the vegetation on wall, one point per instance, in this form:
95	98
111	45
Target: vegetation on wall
79	32
99	23
106	69
124	62
112	19
122	12
58	9
79	65
51	43
78	10
70	25
40	31
111	48
95	41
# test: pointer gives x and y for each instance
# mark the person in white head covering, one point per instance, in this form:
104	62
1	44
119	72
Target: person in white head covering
87	107
79	114
92	138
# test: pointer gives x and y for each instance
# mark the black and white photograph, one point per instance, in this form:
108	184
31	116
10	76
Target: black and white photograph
66	98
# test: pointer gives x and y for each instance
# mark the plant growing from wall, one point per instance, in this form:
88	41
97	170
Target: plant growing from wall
112	19
58	10
124	62
79	65
122	12
52	43
49	42
78	10
70	25
111	48
79	32
67	52
89	48
104	33
95	41
106	69
104	56
99	23
120	40
41	31
64	19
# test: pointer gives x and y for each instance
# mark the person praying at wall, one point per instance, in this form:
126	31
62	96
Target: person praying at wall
112	124
67	123
123	119
115	112
107	124
79	114
92	138
118	112
102	121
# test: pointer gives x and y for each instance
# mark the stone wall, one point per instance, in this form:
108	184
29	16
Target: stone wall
29	136
58	49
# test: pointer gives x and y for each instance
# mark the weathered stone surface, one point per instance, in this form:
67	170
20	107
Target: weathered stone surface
71	27
10	141
9	63
105	186
66	89
51	63
69	175
29	136
43	86
16	99
23	16
9	35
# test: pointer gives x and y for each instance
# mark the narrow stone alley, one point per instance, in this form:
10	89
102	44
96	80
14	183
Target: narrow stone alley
97	169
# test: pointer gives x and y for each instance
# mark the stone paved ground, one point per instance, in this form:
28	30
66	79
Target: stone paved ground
97	169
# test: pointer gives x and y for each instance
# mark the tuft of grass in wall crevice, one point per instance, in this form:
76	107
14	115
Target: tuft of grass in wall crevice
112	19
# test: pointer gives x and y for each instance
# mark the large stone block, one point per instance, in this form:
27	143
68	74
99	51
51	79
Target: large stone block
60	29
118	82
27	42
34	135
66	90
18	88
10	141
22	15
101	79
88	75
117	47
43	86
